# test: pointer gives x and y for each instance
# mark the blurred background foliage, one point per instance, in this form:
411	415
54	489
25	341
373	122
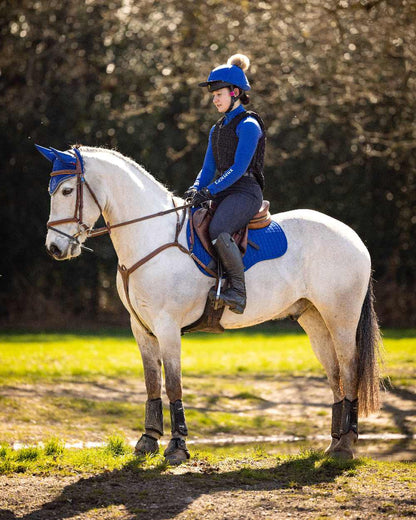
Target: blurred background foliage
335	82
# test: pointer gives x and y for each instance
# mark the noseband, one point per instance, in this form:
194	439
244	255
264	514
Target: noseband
79	203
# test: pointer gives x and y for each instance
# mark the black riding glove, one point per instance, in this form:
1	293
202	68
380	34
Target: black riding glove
190	193
201	196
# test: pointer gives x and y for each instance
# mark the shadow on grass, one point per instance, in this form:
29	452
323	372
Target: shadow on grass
159	495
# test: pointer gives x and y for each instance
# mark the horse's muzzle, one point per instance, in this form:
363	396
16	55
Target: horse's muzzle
63	251
54	251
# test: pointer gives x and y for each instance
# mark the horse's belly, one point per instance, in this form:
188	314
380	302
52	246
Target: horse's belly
273	286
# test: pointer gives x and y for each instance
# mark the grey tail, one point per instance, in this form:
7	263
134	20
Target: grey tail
369	345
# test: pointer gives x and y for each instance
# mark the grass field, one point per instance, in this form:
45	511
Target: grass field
66	387
49	357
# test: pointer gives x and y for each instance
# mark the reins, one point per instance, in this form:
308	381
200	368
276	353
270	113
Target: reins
107	229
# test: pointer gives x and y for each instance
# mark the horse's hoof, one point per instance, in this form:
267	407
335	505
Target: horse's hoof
145	445
176	452
331	448
343	448
342	454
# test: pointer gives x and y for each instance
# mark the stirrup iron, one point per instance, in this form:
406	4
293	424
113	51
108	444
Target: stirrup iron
218	303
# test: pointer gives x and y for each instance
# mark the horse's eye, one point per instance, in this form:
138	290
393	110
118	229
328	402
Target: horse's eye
67	191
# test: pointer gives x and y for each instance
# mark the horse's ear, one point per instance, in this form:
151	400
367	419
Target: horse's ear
65	157
46	152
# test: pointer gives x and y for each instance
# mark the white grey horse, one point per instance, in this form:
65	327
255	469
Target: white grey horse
323	280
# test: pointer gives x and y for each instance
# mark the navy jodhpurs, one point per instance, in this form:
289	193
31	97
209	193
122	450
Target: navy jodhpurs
236	206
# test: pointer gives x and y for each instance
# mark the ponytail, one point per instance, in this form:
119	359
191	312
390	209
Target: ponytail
245	98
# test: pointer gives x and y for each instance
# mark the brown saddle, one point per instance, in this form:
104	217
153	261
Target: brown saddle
202	217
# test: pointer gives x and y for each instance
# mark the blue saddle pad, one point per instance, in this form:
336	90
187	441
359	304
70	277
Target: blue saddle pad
272	243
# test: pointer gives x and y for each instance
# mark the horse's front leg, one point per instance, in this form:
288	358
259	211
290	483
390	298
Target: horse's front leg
169	337
152	366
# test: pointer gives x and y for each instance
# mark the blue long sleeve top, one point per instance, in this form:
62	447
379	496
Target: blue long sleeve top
248	133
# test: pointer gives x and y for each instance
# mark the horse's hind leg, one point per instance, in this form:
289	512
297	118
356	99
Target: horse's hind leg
152	366
346	348
323	346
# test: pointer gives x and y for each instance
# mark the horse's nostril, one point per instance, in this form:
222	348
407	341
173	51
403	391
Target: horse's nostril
54	250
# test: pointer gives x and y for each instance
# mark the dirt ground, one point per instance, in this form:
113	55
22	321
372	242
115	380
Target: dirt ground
203	492
198	490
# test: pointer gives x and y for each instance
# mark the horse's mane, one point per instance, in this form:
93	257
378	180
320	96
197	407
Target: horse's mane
137	167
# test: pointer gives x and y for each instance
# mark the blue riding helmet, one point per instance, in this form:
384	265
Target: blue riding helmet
226	76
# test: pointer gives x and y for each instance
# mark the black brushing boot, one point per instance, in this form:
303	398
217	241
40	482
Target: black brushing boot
230	256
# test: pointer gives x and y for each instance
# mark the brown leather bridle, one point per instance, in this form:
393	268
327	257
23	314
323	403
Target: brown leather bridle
79	204
79	207
91	233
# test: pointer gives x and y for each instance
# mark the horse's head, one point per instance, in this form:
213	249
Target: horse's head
73	209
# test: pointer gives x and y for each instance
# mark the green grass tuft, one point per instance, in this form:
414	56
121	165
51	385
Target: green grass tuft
5	451
54	447
28	454
117	446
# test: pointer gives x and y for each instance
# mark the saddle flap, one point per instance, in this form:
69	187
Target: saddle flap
201	220
202	217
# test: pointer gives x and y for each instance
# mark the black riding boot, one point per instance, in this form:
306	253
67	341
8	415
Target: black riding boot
230	256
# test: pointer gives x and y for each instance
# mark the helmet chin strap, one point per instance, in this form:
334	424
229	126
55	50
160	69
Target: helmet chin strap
233	100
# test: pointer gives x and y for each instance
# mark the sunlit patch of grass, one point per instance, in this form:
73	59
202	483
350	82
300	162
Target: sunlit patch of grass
33	357
53	458
259	452
243	464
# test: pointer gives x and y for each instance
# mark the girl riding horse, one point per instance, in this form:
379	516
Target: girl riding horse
236	150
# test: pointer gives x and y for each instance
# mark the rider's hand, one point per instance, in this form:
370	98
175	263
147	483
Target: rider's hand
201	196
189	193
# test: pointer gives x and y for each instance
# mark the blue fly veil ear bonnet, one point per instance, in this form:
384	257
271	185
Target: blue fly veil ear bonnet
64	165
